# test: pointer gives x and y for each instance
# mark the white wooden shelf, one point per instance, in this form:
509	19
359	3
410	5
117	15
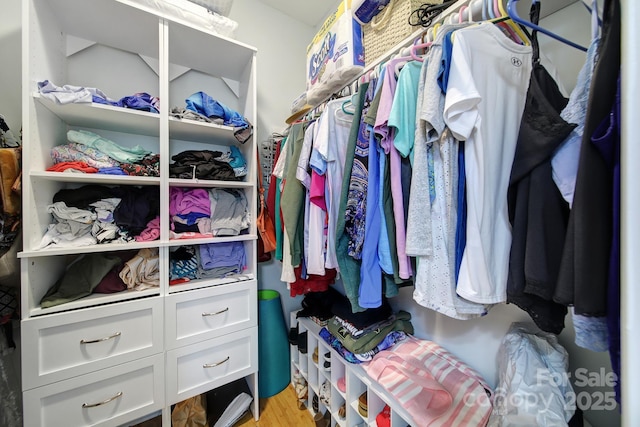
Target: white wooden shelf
123	47
52	250
216	55
204	183
205	241
193	130
95	178
102	116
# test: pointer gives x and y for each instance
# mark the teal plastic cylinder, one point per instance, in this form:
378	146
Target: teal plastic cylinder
274	371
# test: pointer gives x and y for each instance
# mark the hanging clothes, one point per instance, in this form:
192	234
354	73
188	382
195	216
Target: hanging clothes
537	212
370	289
349	266
490	130
292	198
315	216
437	149
585	265
387	136
328	158
355	210
606	138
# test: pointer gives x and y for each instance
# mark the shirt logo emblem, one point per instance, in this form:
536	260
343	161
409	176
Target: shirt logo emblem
515	62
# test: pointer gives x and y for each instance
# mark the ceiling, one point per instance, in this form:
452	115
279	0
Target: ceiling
314	12
310	12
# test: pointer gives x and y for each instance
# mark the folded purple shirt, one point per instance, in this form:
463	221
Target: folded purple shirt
224	254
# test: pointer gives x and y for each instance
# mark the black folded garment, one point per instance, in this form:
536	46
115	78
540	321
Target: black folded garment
324	305
362	319
203	164
82	197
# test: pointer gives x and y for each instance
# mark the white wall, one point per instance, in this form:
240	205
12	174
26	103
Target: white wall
11	69
282	43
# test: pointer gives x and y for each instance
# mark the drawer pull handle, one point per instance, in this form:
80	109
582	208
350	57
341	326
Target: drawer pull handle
216	313
93	405
110	337
213	365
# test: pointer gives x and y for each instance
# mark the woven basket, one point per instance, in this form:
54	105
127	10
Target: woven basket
384	32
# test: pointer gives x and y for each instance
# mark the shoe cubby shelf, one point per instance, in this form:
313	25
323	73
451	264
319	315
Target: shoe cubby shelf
344	381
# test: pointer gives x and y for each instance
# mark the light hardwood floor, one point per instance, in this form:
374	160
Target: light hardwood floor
280	410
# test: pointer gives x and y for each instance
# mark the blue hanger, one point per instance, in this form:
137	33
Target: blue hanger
511	8
591	11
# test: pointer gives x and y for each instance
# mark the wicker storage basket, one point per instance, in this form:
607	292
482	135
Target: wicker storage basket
392	29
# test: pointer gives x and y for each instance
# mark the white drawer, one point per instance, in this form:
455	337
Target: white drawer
109	397
194	316
200	367
64	345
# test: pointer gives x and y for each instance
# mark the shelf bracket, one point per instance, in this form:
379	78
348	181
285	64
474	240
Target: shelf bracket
77	44
175	71
233	85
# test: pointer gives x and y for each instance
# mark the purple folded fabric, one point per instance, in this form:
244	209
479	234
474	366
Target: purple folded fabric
183	201
225	254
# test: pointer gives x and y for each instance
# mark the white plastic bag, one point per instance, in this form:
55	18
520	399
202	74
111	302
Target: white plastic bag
188	12
222	7
533	384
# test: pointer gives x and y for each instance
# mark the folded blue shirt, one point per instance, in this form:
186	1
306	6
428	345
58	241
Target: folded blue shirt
140	101
203	104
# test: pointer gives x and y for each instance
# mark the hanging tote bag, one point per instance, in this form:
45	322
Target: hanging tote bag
264	223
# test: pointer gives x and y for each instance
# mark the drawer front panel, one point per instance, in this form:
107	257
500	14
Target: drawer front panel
202	314
194	369
109	397
63	345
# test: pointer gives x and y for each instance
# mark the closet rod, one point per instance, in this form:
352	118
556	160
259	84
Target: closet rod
407	42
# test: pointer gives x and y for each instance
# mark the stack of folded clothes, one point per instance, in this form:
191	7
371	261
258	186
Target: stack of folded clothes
88	152
202	213
209	261
96	214
69	94
360	343
222	259
105	273
209	165
202	107
356	336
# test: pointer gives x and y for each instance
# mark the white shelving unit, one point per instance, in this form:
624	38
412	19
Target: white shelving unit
356	380
156	347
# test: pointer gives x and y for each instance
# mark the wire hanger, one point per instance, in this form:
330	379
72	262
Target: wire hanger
513	14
